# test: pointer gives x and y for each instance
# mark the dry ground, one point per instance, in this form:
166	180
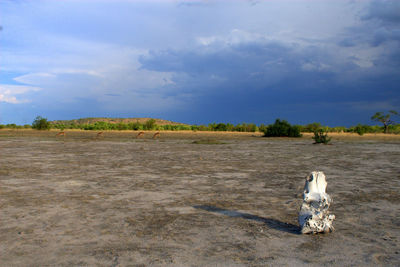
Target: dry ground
119	201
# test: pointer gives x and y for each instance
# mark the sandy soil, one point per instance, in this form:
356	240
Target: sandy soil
119	201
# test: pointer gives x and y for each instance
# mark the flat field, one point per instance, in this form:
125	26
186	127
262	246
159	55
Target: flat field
193	199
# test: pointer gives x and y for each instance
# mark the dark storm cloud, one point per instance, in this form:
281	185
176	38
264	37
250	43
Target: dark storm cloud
385	11
383	20
272	76
347	42
380	25
241	60
254	65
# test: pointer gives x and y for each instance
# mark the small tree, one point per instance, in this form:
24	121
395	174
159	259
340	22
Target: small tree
41	124
384	118
321	137
282	129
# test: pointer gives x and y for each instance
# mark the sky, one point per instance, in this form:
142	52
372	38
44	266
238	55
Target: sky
335	62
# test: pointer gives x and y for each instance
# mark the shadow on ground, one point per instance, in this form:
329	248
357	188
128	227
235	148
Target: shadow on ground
272	223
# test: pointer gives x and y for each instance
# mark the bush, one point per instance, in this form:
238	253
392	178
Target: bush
221	127
150	124
11	126
321	137
121	126
312	127
338	129
262	128
394	129
41	124
361	129
135	126
101	125
282	129
246	127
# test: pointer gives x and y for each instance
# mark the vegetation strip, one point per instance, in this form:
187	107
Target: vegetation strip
279	128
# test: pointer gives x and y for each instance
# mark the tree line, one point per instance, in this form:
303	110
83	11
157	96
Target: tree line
388	126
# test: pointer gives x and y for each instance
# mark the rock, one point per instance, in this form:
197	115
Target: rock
314	214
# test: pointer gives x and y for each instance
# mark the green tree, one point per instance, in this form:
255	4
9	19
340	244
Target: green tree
41	124
220	127
384	119
282	128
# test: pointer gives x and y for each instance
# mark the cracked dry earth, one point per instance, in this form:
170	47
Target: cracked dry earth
170	202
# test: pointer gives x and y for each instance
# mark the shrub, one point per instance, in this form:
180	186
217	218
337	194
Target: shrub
41	124
230	127
262	128
212	126
135	126
361	129
394	129
245	127
150	124
220	127
251	128
203	128
11	126
101	125
282	129
321	137
338	129
121	126
87	127
312	127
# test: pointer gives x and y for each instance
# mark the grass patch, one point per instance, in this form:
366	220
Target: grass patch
208	142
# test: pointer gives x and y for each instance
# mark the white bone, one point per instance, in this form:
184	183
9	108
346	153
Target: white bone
314	215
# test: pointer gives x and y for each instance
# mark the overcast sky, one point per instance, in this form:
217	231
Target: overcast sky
198	62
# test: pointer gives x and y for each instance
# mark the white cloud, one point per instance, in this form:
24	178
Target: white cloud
72	68
9	93
234	37
35	78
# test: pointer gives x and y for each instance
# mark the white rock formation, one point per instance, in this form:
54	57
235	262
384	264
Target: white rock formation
314	216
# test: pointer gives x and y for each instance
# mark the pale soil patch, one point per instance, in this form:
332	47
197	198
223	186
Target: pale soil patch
120	201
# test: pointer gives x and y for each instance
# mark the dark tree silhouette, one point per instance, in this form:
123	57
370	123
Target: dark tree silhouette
384	119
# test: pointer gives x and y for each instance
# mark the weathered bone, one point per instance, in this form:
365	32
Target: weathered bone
314	215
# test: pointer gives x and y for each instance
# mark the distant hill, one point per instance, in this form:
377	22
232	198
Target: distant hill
115	120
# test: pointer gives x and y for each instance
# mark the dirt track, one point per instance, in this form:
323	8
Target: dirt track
120	201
